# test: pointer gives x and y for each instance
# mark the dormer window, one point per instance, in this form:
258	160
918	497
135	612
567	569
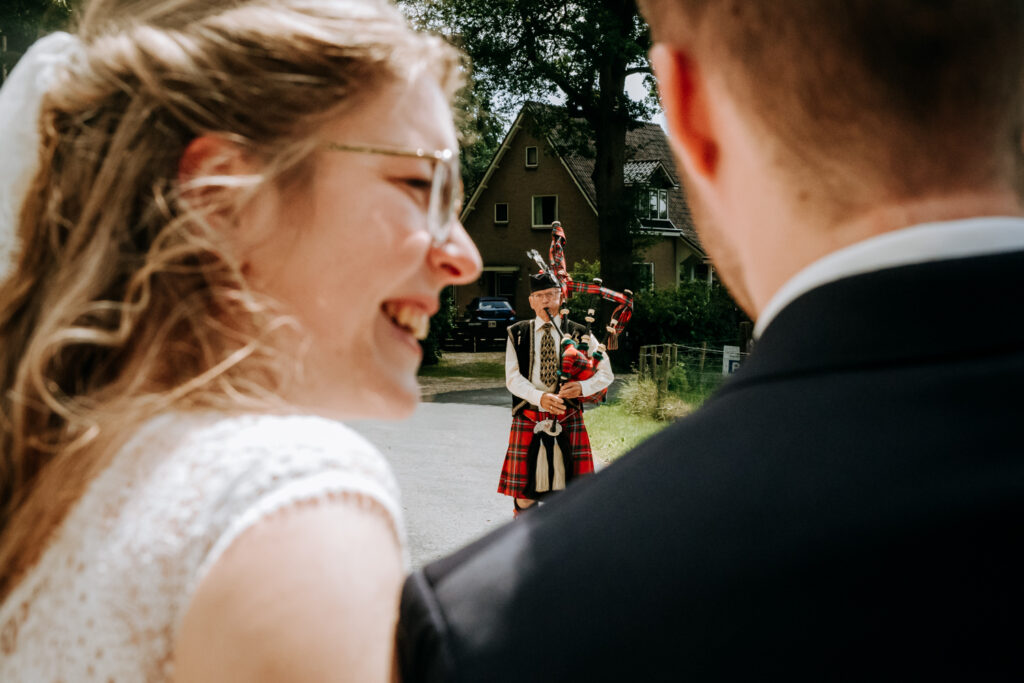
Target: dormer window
531	157
654	204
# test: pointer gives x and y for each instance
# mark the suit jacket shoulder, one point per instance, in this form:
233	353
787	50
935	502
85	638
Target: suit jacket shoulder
847	506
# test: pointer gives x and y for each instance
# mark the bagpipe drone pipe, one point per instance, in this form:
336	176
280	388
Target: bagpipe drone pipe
579	361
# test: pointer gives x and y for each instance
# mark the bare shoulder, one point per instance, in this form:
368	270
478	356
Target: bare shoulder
308	593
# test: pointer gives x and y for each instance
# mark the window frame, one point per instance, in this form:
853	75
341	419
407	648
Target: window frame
650	268
498	221
536	157
652	202
533	215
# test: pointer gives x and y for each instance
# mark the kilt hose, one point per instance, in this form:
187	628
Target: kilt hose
515	475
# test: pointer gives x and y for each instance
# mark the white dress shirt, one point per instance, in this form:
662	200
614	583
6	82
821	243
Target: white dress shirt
532	389
916	244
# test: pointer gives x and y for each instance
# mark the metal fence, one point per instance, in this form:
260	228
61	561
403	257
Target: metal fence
682	368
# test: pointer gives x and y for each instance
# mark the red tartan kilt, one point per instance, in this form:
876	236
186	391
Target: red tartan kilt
514	471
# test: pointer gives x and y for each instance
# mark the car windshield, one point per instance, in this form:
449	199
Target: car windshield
494	306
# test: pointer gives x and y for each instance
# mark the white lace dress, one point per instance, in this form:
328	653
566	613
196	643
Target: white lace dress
106	598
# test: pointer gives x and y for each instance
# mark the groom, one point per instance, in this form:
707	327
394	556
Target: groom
850	505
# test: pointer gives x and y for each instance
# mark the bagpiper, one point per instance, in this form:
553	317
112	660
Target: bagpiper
552	366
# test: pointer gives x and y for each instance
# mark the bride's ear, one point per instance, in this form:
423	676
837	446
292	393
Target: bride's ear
214	175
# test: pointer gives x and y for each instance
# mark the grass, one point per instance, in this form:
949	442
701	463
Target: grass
476	369
638	414
613	430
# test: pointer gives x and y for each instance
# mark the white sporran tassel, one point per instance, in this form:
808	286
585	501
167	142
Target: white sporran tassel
543	481
559	468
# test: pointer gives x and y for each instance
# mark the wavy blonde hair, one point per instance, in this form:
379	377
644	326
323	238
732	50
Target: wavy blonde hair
124	301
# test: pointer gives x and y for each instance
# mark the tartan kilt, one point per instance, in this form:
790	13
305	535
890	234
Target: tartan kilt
514	475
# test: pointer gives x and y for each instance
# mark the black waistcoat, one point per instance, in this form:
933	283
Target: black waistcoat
521	335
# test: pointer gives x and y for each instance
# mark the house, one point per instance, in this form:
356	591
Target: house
530	183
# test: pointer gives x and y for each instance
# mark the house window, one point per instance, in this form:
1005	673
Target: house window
545	210
643	274
654	204
694	269
531	157
505	285
501	213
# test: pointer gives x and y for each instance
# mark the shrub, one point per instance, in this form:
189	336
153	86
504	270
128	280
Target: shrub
440	327
678	380
690	314
640	397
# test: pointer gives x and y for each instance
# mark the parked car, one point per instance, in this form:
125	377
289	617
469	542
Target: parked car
486	320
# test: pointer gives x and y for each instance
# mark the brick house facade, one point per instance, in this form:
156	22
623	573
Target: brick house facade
529	184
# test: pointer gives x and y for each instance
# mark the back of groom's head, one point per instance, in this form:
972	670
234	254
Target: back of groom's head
918	95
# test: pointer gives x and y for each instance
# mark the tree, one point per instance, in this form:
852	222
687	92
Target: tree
22	22
480	132
583	51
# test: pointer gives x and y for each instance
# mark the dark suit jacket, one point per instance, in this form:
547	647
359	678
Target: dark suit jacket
850	506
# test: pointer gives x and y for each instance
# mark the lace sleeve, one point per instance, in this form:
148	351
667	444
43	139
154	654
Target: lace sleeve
153	523
261	465
227	474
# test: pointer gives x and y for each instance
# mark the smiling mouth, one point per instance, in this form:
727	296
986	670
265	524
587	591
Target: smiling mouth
407	317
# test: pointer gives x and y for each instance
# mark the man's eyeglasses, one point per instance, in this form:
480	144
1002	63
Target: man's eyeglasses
445	184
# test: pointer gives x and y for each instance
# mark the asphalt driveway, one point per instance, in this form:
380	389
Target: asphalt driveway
447	458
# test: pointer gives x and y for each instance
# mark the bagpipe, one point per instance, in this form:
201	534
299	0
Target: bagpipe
579	361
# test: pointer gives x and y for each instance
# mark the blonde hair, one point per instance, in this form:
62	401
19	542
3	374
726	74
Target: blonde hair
124	301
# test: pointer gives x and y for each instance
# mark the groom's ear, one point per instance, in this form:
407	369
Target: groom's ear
683	89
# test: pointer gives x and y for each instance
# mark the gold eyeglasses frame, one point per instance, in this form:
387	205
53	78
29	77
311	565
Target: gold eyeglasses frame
445	183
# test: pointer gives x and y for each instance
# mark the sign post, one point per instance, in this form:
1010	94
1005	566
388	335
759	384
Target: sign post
730	359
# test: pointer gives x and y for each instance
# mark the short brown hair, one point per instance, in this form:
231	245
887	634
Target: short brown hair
921	95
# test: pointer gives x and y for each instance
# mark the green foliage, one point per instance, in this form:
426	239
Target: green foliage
640	396
585	271
475	370
440	327
480	134
549	50
678	380
690	314
534	49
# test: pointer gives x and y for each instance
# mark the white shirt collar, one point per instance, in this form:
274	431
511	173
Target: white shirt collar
916	244
538	323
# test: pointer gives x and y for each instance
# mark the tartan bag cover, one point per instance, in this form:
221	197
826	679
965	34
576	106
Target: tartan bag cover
514	475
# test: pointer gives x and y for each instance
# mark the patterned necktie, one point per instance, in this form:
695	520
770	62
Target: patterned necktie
547	356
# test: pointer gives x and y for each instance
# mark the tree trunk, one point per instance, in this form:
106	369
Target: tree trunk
611	119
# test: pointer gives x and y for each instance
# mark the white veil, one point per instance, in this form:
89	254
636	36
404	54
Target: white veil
20	104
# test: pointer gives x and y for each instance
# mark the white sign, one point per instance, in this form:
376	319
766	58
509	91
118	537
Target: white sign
730	359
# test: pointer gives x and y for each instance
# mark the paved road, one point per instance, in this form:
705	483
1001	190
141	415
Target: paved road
497	396
447	459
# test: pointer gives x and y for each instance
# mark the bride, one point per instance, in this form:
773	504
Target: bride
223	226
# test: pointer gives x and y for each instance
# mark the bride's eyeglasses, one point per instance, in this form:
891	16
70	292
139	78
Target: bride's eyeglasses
445	184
